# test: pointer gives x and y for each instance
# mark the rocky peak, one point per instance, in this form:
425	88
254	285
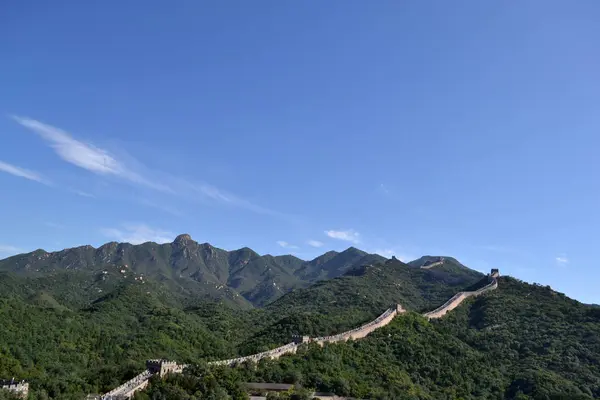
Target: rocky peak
182	239
107	247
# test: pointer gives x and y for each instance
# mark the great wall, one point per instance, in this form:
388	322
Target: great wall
163	367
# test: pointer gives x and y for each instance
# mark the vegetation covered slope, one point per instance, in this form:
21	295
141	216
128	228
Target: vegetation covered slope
72	332
519	342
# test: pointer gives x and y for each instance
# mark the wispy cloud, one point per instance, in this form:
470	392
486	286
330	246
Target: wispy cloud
314	243
82	193
102	162
562	259
162	207
349	235
286	245
138	233
85	155
54	225
7	249
383	189
22	173
222	196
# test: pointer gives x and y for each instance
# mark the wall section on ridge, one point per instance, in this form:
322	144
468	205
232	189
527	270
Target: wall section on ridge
458	298
162	367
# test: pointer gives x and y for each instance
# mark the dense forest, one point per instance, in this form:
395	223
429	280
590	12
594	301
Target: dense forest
521	341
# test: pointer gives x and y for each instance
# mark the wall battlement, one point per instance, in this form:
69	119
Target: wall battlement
163	367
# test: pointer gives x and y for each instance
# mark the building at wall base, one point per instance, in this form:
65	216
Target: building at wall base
20	388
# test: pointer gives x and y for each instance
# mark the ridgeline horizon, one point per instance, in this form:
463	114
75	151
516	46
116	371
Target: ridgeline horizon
183	238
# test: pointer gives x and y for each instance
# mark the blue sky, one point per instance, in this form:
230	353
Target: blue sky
461	128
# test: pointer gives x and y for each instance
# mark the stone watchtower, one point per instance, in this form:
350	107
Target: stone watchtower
298	339
495	273
162	367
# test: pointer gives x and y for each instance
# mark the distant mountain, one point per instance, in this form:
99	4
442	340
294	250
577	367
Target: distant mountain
333	264
375	286
426	261
191	269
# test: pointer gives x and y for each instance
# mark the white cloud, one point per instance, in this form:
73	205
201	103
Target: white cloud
562	260
314	243
85	155
383	188
286	245
22	172
102	162
348	235
71	150
7	249
138	233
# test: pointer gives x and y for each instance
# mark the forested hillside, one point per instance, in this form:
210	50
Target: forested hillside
519	342
71	332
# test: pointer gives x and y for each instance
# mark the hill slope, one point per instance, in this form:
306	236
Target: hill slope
519	342
72	330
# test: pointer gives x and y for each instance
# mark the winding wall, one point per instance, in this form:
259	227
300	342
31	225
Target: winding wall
459	298
161	367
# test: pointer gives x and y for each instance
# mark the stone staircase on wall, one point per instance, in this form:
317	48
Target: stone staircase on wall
162	367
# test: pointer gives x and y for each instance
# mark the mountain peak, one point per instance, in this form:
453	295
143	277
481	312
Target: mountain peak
353	249
183	238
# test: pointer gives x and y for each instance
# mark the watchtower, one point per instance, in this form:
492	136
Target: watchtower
298	339
495	273
162	367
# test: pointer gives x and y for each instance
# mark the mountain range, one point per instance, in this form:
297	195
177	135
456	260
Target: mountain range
192	269
83	320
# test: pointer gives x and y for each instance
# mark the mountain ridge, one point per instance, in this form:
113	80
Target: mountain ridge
521	340
190	267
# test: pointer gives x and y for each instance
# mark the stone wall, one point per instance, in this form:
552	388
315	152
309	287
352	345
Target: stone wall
162	367
292	347
289	348
364	330
126	390
434	264
461	296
